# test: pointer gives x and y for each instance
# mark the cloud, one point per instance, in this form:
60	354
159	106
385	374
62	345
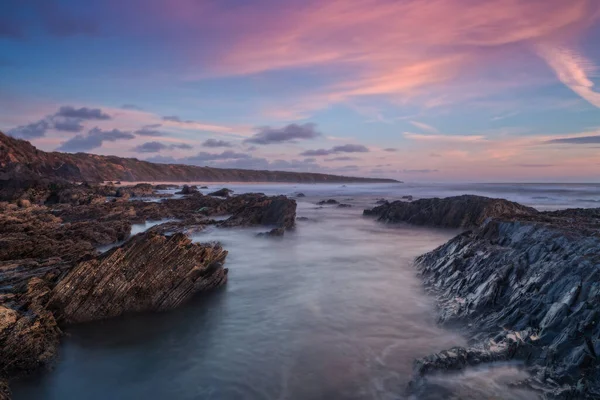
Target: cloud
190	124
267	135
341	159
174	118
444	138
347	148
150	130
82	113
572	69
203	156
93	139
30	131
390	149
419	171
150	147
156	147
535	165
576	140
216	143
424	127
68	125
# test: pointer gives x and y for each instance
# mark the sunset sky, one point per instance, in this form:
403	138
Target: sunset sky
436	90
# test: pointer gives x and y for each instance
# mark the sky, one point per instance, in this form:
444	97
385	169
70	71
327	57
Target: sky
437	90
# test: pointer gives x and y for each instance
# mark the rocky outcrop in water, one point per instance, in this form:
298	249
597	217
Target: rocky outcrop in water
151	272
453	212
526	286
278	211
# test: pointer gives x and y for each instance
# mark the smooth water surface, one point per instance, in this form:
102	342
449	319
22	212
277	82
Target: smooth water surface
333	310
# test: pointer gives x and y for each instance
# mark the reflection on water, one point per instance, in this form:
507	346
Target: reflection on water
332	310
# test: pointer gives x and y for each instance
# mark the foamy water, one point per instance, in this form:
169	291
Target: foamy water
333	309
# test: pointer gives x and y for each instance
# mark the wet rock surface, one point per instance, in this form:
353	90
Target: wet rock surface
328	202
453	212
51	269
151	272
525	285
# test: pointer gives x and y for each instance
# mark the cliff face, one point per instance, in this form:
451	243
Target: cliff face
453	212
19	159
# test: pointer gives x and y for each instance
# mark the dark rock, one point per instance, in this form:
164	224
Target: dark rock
203	187
139	190
166	186
188	190
381	201
221	193
526	285
259	209
302	219
328	202
300	195
150	272
453	212
409	198
342	205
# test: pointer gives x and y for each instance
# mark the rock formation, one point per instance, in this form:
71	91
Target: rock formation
151	272
453	212
524	284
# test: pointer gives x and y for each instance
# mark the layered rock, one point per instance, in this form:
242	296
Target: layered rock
258	209
29	335
453	212
151	272
527	287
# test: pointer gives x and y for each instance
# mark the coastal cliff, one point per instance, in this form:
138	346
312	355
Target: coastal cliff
525	285
21	164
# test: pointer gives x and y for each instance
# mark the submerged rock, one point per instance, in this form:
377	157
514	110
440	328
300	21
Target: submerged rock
151	272
453	212
328	202
343	205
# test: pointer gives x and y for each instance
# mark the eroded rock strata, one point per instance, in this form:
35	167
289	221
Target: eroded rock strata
453	212
524	284
51	269
151	272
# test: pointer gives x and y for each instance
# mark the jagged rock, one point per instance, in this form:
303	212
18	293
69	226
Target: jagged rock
29	335
203	187
5	393
527	286
381	201
409	198
166	186
453	212
150	272
258	209
328	202
342	205
139	190
300	195
222	193
188	190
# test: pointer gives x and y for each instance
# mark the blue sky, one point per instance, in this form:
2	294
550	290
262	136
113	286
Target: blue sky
502	90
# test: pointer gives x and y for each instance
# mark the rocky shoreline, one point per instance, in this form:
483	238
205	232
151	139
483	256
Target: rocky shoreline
52	273
523	285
